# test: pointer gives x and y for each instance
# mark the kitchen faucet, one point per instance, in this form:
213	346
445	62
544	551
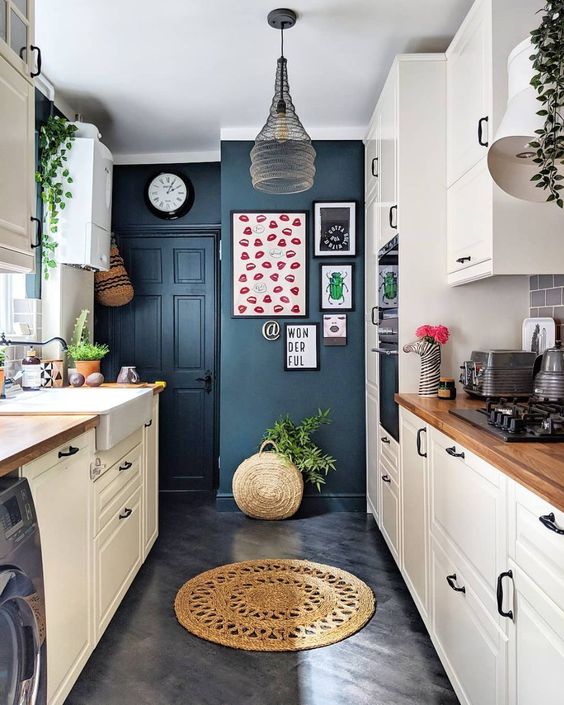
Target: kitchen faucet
62	341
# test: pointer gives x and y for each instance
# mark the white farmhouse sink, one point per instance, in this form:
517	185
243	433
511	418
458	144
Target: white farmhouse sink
121	411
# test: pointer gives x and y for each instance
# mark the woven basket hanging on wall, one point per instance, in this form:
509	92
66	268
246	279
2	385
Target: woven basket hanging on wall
268	486
113	288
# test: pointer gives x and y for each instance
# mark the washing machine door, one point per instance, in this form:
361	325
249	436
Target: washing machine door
20	643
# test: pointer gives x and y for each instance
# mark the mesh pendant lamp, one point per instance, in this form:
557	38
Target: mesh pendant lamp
283	158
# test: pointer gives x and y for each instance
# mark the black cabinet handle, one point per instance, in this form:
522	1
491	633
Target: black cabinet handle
461	260
71	451
453	453
372	315
386	478
549	520
451	580
509	613
33	74
149	423
127	512
481	123
125	466
374	163
385	440
38	233
419	452
393	225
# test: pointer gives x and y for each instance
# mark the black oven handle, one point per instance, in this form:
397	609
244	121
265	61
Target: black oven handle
382	351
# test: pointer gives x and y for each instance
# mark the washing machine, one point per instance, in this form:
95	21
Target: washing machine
23	662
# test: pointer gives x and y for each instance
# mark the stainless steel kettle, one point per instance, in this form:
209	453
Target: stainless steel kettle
549	381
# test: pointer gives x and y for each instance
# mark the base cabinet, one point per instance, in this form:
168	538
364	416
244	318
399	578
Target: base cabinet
151	479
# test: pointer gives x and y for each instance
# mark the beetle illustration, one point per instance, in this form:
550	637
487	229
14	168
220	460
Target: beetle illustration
336	287
389	286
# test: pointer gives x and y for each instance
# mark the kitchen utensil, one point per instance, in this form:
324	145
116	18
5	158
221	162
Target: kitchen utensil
128	375
549	381
538	334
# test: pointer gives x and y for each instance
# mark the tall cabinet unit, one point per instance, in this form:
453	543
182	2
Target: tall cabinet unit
490	232
17	136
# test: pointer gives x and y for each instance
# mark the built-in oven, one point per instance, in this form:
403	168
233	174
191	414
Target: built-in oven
388	296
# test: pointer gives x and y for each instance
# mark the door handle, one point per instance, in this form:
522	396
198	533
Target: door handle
207	380
127	512
419	452
451	580
481	122
549	520
393	209
374	309
381	351
149	423
453	453
385	440
125	466
503	613
386	478
71	451
374	163
38	234
461	260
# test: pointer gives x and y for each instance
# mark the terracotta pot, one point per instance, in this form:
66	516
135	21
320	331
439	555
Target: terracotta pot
87	367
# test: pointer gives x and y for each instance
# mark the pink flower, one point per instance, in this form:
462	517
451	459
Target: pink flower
441	334
433	334
425	331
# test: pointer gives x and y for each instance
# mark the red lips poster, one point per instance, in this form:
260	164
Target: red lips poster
264	247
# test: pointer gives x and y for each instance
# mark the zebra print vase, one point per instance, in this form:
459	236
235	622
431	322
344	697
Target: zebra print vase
430	354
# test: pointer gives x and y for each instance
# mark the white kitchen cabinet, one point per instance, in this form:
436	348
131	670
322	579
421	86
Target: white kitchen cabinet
489	232
17	35
390	513
387	175
372	477
61	488
414	506
17	170
371	293
151	479
372	160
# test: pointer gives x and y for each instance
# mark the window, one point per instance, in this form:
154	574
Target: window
12	286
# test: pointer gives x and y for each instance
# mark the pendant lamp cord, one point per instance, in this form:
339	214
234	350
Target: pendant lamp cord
282	39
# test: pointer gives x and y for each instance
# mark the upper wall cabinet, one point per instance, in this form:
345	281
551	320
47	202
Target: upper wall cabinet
488	231
17	35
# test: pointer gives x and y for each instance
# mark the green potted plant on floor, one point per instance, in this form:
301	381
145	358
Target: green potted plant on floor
86	355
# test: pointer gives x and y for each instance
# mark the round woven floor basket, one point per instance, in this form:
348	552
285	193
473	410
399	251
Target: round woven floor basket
268	486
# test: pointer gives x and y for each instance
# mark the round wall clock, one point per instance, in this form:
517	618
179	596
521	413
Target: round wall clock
169	195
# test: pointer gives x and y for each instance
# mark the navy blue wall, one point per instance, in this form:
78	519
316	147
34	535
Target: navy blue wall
255	390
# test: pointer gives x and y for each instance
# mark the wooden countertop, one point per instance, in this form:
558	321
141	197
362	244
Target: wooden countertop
24	438
157	388
537	466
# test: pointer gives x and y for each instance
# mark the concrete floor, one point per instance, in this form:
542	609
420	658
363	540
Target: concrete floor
147	658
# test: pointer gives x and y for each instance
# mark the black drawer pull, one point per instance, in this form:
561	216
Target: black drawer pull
374	171
481	123
451	580
509	613
452	451
149	423
461	260
419	451
38	233
127	512
393	223
385	440
125	466
71	451
386	478
549	520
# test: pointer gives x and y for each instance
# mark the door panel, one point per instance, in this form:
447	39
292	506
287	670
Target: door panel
168	332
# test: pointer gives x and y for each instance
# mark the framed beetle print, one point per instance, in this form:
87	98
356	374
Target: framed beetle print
301	346
334	228
337	287
269	264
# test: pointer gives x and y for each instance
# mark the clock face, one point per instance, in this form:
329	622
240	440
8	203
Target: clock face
169	195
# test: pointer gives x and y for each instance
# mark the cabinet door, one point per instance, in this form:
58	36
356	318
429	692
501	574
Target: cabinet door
372	476
371	293
414	506
469	81
17	186
372	159
388	160
536	645
151	480
16	34
390	518
62	496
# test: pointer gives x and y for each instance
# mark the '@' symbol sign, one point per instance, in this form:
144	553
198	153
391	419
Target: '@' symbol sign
271	330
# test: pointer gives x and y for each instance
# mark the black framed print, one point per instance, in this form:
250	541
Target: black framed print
301	347
269	264
337	287
334	228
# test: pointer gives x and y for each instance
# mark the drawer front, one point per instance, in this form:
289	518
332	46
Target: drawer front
108	488
390	519
79	448
535	544
473	649
118	554
389	448
468	510
388	468
108	458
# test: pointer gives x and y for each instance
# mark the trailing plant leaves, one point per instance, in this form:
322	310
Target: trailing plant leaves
548	81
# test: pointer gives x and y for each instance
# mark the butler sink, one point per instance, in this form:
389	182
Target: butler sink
121	411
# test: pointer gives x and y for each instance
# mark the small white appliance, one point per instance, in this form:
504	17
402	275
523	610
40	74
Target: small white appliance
85	223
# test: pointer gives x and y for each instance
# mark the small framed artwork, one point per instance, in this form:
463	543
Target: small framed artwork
335	329
337	287
269	264
301	346
334	228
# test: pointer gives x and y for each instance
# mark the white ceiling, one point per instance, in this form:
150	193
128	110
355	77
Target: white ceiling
172	76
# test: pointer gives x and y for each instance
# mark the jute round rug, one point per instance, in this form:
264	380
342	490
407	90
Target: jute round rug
274	605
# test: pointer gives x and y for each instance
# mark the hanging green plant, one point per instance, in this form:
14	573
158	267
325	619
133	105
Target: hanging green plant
548	81
55	140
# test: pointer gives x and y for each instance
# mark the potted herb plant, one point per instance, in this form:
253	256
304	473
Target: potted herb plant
86	355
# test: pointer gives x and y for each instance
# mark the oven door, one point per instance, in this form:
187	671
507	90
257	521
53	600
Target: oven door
389	410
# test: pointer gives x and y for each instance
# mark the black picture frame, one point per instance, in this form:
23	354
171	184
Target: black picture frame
306	215
311	324
323	286
184	208
353	251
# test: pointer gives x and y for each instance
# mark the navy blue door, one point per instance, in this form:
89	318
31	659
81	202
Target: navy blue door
169	332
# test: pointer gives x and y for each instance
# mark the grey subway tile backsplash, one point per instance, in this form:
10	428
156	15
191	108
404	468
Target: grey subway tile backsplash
534	282
554	297
538	298
559	280
547	299
546	281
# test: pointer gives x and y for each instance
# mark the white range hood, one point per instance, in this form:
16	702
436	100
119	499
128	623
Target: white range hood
510	157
